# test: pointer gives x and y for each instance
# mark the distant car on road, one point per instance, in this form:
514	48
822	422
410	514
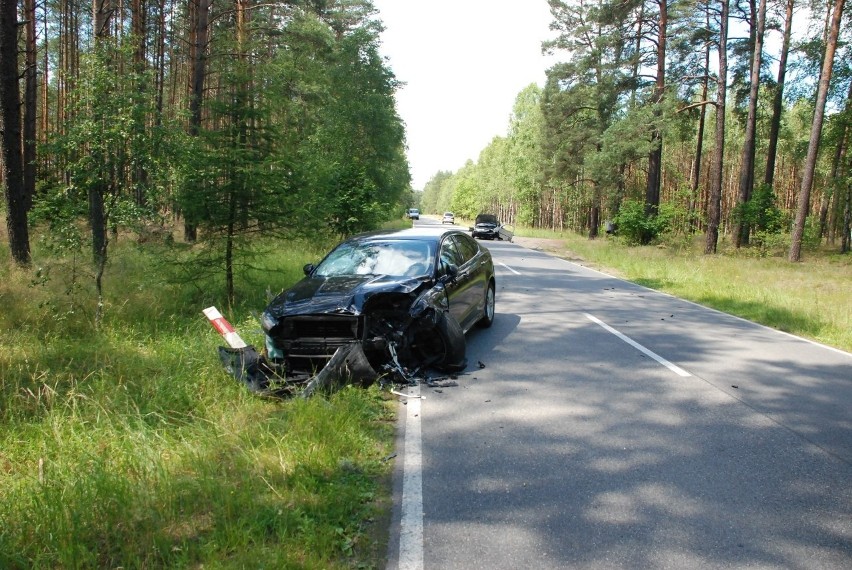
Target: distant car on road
413	214
449	218
486	226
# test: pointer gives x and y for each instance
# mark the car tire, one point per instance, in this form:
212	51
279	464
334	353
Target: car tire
443	346
488	310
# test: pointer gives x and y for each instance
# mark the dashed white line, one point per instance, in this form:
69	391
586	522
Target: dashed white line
411	524
510	269
676	369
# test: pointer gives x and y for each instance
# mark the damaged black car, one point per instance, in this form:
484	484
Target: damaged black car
391	300
485	227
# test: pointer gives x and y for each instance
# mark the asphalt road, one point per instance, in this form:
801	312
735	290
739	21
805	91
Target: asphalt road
616	427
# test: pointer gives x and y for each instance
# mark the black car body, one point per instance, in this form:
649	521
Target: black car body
406	296
485	227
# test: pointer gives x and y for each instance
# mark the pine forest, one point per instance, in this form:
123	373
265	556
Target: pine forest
227	121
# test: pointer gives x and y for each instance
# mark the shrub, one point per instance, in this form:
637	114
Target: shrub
636	227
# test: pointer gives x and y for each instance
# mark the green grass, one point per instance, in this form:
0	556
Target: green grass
129	446
810	299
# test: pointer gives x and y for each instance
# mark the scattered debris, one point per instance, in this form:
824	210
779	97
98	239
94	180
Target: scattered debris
404	395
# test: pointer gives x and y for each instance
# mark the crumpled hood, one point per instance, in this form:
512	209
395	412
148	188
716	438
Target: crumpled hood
338	295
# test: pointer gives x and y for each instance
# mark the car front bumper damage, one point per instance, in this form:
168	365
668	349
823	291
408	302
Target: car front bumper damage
322	353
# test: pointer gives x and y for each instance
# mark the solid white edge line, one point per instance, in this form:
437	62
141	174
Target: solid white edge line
509	268
411	524
676	369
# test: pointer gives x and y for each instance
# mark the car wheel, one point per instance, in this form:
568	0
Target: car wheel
488	312
443	346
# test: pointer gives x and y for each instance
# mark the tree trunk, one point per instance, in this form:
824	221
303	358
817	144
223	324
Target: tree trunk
816	132
699	145
778	101
139	11
847	213
11	160
655	158
746	183
30	103
714	203
201	33
101	14
594	221
836	168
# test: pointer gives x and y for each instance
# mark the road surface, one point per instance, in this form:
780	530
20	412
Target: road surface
615	427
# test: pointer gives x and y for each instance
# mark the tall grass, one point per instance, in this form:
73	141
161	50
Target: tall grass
810	299
128	446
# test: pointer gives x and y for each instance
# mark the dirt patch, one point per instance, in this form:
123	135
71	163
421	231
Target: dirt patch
559	248
543	244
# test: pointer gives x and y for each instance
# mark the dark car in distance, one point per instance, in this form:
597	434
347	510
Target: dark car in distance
485	227
407	295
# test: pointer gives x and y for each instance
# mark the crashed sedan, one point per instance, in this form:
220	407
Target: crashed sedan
485	227
401	300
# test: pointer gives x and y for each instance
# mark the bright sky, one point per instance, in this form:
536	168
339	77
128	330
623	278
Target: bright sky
463	63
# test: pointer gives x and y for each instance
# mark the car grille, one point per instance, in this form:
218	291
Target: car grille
315	336
325	328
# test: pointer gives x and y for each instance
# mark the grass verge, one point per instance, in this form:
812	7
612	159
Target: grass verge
128	446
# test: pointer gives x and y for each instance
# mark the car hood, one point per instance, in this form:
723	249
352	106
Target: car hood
338	295
486	219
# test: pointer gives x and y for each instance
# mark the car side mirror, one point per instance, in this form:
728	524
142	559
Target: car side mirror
309	268
451	270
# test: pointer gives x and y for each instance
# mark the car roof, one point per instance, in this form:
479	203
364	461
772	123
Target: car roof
420	233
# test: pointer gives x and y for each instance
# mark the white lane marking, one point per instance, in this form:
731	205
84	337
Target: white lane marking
411	525
510	269
676	369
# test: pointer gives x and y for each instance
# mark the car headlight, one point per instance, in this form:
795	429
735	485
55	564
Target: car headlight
267	321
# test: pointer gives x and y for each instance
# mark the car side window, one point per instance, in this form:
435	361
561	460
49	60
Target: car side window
449	255
466	247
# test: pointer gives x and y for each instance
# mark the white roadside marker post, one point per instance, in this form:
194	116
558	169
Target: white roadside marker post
224	327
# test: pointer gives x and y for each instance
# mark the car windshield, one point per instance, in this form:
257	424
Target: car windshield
397	258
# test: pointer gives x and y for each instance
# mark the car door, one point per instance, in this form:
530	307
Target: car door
449	255
475	279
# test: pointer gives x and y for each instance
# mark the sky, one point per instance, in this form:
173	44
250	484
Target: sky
463	63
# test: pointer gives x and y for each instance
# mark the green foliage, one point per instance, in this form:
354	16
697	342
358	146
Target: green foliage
636	227
353	207
761	211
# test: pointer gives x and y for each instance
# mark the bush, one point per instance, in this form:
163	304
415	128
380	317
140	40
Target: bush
636	227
